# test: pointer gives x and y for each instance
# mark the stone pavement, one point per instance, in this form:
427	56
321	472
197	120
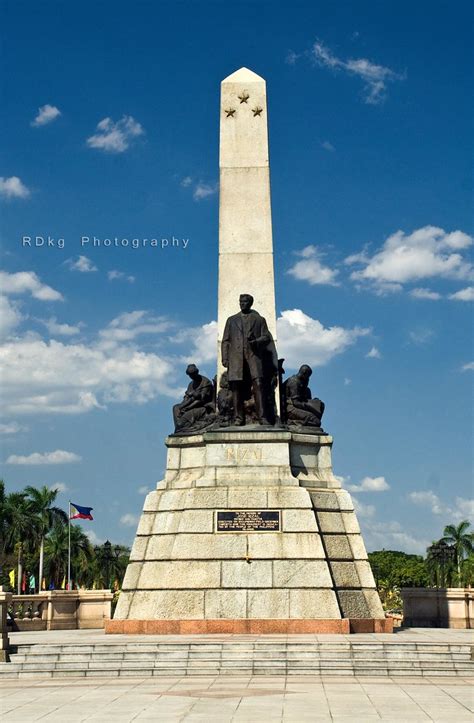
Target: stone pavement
399	636
238	698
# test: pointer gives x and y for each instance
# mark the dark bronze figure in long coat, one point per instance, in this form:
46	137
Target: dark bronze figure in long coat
245	346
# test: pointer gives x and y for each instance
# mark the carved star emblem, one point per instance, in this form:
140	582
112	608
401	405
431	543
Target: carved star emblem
244	96
230	112
257	111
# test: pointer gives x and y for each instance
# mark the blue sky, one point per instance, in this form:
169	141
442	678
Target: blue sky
111	129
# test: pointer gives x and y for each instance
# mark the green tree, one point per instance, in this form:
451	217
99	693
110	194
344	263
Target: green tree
19	527
394	569
462	540
110	564
56	553
47	515
467	570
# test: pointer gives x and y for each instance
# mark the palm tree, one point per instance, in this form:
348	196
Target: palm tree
48	514
19	526
462	541
56	552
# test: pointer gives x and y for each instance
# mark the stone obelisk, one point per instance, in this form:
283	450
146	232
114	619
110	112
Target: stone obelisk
245	221
249	531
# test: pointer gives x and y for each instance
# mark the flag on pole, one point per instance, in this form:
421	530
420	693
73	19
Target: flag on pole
63	584
43	583
80	513
11	577
23	582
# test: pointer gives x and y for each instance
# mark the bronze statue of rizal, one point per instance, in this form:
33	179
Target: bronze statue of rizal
244	344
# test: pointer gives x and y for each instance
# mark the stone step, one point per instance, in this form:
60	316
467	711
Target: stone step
327	663
278	657
398	649
255	670
310	658
331	644
46	662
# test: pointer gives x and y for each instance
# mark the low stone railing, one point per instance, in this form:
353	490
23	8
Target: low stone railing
60	610
5	601
28	608
451	607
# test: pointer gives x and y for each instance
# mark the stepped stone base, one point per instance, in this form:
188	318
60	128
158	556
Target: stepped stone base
308	573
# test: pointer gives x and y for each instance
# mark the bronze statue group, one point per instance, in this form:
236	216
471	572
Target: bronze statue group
247	388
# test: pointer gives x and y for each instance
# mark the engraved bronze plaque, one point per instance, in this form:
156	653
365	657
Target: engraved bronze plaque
248	521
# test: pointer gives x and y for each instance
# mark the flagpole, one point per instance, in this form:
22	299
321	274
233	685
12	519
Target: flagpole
69	550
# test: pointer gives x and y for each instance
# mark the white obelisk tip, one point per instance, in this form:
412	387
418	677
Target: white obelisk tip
243	75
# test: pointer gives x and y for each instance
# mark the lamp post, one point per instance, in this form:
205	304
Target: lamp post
107	560
117	553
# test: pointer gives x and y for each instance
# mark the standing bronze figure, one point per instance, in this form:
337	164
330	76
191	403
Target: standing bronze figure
247	354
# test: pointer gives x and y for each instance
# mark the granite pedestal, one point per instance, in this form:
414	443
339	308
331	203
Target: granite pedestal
249	531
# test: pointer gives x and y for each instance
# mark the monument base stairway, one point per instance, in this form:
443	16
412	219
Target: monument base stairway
222	655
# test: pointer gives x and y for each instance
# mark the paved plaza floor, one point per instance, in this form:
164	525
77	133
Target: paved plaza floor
400	635
257	698
237	697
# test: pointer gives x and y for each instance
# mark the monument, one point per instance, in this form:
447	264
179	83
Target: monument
250	531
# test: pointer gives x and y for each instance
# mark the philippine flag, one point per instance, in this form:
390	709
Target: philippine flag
76	512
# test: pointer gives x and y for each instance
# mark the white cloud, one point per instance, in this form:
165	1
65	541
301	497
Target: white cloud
292	57
370	484
311	269
347	381
391	535
11	428
73	378
112	275
115	137
468	367
462	509
420	293
202	341
466	294
328	146
374	76
57	329
130	325
200	189
92	535
204	190
363	510
374	353
27	281
67	378
302	339
60	456
143	490
82	264
428	252
10	316
129	520
428	499
46	114
13	187
421	336
60	487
